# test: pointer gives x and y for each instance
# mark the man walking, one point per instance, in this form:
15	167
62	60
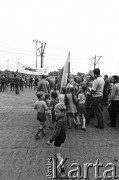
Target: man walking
44	85
16	83
12	83
21	83
30	82
2	83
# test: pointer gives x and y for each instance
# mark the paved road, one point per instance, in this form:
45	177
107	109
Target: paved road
24	158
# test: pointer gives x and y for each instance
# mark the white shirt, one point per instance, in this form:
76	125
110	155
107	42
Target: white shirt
69	85
81	98
40	106
61	98
98	86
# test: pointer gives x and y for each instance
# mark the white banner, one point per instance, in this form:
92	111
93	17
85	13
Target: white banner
33	71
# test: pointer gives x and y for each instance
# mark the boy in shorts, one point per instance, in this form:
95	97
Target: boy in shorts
41	107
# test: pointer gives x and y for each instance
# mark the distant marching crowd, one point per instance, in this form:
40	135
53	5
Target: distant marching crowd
17	82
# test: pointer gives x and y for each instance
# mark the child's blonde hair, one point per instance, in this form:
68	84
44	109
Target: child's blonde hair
60	106
39	94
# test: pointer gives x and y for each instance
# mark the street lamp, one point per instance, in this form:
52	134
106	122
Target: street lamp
36	41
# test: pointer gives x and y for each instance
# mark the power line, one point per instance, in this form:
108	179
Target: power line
95	61
13	52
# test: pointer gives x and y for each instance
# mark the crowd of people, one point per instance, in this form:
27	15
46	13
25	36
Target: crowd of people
75	104
17	82
71	106
84	98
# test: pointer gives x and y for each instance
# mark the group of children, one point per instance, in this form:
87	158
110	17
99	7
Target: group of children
63	110
75	108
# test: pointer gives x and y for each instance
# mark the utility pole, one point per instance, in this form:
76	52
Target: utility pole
36	41
95	61
99	63
42	53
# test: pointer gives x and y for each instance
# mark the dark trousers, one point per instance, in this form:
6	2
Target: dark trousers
21	87
89	105
12	87
105	97
96	106
30	84
16	89
25	84
2	87
113	112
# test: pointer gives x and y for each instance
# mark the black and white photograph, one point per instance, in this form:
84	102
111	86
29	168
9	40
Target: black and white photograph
59	89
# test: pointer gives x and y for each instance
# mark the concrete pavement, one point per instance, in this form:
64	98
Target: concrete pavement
24	158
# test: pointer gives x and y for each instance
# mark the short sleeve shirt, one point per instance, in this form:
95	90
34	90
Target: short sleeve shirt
98	86
41	106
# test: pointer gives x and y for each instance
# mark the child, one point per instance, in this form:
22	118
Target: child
89	97
54	101
62	96
81	106
48	113
41	107
71	108
60	132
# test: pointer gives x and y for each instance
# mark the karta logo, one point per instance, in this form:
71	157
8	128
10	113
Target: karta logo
55	167
76	171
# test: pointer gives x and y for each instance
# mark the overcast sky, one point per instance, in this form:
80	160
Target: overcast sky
84	27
